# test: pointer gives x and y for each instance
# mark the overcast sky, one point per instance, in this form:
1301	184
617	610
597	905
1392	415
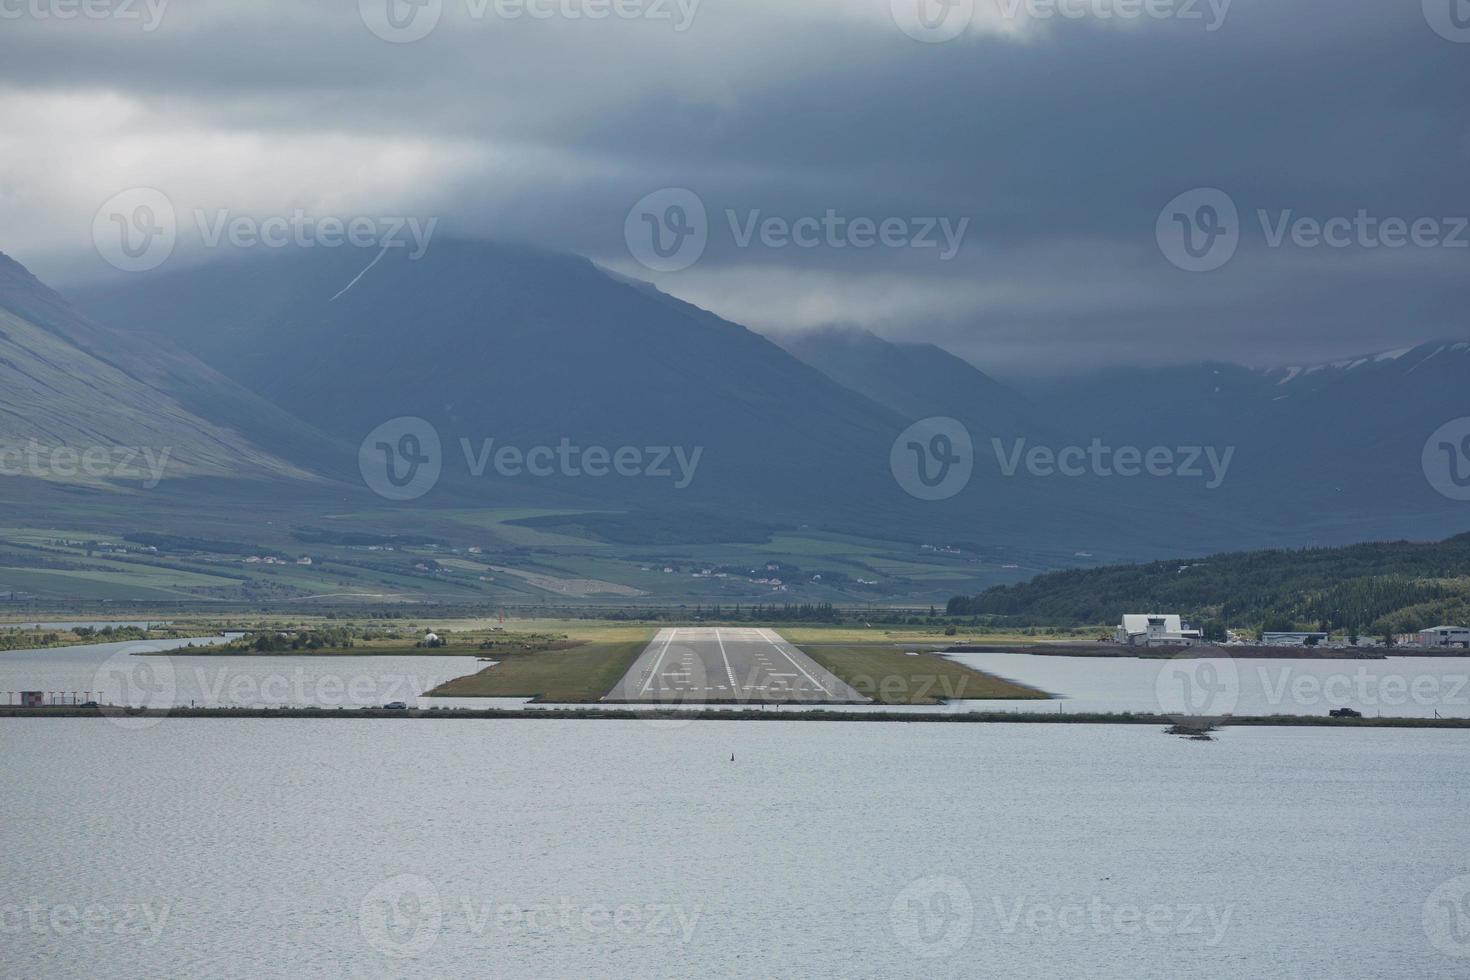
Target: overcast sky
1048	147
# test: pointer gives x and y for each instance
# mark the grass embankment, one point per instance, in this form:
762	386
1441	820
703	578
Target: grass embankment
350	643
889	675
580	673
15	638
823	633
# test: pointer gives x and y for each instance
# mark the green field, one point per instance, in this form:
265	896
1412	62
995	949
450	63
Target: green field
581	673
889	675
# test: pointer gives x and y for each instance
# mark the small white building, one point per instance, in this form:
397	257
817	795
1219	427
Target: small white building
1444	636
1155	629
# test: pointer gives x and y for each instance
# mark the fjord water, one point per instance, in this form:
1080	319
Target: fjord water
125	673
558	848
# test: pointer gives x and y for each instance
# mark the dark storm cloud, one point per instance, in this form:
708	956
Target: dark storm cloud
1057	144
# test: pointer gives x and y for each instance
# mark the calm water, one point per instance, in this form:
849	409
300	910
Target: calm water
1405	687
112	673
571	849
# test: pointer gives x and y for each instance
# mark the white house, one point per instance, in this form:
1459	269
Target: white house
1155	629
1444	636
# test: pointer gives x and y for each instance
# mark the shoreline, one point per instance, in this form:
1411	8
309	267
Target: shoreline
619	714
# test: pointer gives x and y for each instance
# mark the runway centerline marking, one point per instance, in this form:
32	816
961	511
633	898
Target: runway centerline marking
728	671
659	659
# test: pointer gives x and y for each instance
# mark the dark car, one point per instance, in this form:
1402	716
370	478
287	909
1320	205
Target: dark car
1345	713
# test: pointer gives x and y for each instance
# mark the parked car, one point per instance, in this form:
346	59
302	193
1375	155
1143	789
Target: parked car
1345	713
395	706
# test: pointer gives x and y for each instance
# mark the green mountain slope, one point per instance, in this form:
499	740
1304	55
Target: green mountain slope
1367	588
69	387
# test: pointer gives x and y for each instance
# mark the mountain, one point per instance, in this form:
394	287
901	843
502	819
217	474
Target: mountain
528	348
915	380
1333	452
144	411
1370	588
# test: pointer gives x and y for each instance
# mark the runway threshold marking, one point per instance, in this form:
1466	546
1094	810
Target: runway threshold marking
728	671
765	635
659	659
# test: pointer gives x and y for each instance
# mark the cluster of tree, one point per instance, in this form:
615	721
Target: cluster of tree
273	641
112	632
25	640
1366	588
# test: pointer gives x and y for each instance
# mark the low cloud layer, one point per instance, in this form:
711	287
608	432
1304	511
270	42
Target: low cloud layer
1035	143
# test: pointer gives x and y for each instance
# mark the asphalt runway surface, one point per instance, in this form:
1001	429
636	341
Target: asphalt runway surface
689	665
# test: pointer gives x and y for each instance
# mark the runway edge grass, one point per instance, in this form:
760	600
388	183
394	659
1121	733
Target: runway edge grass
890	675
577	674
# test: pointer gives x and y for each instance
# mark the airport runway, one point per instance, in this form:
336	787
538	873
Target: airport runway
686	665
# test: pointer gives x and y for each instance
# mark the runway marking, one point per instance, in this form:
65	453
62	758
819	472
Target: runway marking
765	635
728	671
659	659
